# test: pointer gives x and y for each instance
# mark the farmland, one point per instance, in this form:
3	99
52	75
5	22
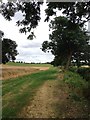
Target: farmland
42	91
15	71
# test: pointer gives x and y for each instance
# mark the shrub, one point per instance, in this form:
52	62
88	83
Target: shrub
84	72
79	86
75	80
73	69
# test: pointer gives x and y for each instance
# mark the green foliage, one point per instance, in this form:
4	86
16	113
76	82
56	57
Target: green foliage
57	62
75	97
30	12
64	40
75	11
73	69
74	80
8	50
79	86
22	90
84	72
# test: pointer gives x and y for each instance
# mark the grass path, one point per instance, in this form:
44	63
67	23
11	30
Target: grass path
41	106
52	101
19	91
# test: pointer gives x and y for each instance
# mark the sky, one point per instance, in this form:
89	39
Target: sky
29	50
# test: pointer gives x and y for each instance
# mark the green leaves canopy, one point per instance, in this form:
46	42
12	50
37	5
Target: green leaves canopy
74	11
66	38
30	12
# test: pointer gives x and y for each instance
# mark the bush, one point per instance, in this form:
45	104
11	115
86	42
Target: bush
73	69
75	80
84	72
80	87
86	93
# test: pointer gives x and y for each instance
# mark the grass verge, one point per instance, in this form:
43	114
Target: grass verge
71	100
76	84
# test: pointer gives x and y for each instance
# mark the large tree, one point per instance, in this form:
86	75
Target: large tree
67	38
9	51
78	13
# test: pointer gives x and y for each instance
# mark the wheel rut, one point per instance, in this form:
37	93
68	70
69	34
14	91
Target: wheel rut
42	104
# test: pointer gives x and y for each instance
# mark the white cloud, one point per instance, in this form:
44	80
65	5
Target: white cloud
31	45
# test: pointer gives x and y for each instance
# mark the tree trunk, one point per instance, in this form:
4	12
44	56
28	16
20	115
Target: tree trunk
68	61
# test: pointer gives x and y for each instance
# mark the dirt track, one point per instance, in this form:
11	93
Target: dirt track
42	105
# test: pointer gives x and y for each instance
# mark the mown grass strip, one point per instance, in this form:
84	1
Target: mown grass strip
14	84
19	99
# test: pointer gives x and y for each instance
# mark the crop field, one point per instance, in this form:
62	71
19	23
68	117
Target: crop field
41	91
15	71
28	64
